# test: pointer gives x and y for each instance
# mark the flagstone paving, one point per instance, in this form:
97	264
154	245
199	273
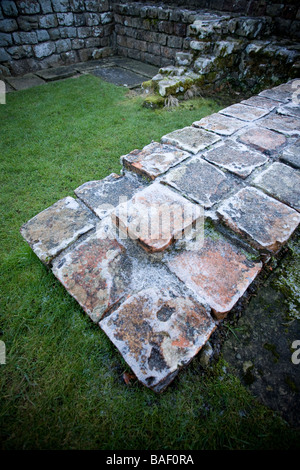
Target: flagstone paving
133	253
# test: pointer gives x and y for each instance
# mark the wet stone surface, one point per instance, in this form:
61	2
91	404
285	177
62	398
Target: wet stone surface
281	182
154	159
158	332
291	154
263	140
190	139
287	125
57	227
218	272
200	181
223	125
236	158
104	195
243	112
267	223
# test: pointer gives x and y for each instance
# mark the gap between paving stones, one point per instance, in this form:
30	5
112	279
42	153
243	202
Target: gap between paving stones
159	300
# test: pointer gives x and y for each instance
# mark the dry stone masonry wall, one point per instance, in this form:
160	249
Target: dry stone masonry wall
158	295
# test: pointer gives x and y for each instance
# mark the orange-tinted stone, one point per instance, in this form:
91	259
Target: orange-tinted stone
263	140
219	273
158	331
287	125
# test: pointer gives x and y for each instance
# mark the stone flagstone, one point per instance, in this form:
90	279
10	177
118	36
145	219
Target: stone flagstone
104	195
223	125
290	109
281	93
243	112
263	140
219	273
261	102
191	139
287	125
55	228
267	223
235	157
154	159
291	154
156	216
281	182
200	181
158	332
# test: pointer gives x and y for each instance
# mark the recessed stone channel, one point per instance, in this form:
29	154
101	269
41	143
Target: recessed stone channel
160	255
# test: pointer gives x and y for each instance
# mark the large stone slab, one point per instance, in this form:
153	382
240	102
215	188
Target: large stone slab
223	125
287	125
263	140
236	158
55	228
290	109
119	76
158	332
200	181
95	272
154	159
191	139
57	73
27	81
291	154
267	223
261	102
156	217
282	93
104	195
281	182
243	112
219	273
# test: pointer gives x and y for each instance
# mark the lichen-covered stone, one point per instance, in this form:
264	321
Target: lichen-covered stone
291	154
236	157
157	332
55	228
154	159
281	182
243	112
267	223
290	109
219	273
287	125
223	125
200	181
263	140
261	102
191	139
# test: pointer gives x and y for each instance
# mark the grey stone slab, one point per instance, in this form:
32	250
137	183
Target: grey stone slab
287	125
291	154
200	181
223	125
261	102
236	158
27	81
142	68
290	109
92	64
243	112
57	73
104	195
57	227
263	140
119	76
282	93
281	182
265	222
191	139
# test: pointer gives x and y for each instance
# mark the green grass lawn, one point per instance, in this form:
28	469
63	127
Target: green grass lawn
62	385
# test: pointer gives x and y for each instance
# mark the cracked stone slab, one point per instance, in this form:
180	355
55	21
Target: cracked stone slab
191	139
57	73
267	223
282	93
243	112
219	273
95	272
27	81
290	109
200	181
291	154
104	195
57	227
264	140
156	216
223	125
154	159
236	158
261	102
281	182
158	332
287	125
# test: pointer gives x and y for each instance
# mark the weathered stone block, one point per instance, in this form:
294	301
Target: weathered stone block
29	8
68	32
267	223
290	109
65	19
8	25
106	18
190	139
84	32
282	93
54	229
158	332
91	19
220	124
5	39
46	6
44	49
236	158
287	125
19	52
263	140
9	8
25	38
48	21
60	5
261	102
63	45
42	35
291	154
243	112
281	182
219	273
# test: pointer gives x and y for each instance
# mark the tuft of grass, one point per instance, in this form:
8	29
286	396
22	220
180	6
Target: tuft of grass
62	387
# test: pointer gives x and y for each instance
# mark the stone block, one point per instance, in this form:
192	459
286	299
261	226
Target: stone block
65	19
68	32
63	45
220	124
5	39
91	19
267	223
24	82
290	109
20	52
282	93
9	8
48	21
25	38
263	140
84	32
44	49
42	35
261	102
290	126
56	73
29	8
191	139
243	112
60	6
55	228
157	332
46	6
8	25
291	154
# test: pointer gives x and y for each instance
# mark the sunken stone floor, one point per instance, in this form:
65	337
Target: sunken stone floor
159	255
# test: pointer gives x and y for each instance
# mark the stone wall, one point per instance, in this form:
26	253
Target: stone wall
37	34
